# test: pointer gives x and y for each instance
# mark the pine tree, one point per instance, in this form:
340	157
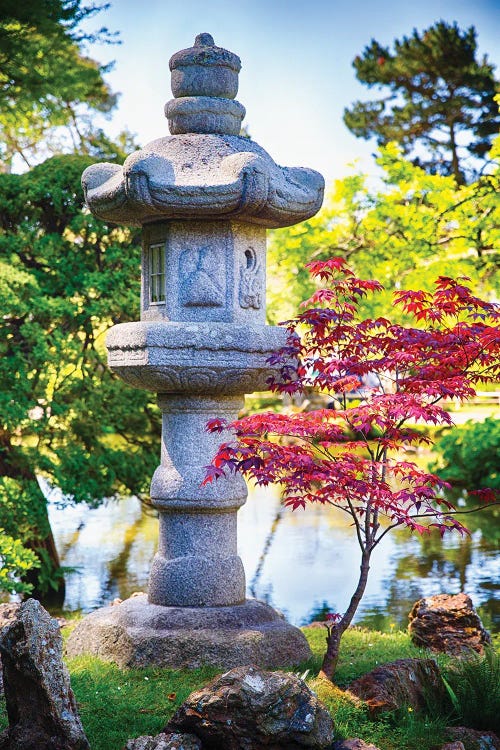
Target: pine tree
50	90
438	103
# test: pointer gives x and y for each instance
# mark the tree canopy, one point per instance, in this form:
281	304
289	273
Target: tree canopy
438	98
65	277
46	79
351	456
407	228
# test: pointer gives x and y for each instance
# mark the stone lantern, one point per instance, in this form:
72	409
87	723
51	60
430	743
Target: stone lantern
204	197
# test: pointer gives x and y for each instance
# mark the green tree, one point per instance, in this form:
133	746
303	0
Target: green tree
468	454
48	86
65	277
440	101
406	229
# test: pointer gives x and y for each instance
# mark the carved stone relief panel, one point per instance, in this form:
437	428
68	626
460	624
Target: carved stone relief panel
250	281
199	271
198	287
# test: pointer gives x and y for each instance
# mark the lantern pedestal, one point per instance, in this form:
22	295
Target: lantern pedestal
137	633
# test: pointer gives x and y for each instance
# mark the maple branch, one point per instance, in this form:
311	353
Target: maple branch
456	511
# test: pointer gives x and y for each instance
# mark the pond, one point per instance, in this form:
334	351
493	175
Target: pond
301	562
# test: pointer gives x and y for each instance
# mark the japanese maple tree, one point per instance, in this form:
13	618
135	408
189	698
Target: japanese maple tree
384	379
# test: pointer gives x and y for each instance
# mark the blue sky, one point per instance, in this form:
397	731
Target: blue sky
296	75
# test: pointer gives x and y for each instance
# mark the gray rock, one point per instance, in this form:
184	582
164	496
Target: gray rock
8	613
402	683
249	709
204	114
447	623
41	706
205	170
136	633
202	359
354	744
170	741
474	739
202	175
205	70
453	746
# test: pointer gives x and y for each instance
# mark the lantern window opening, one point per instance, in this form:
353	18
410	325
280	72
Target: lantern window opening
157	273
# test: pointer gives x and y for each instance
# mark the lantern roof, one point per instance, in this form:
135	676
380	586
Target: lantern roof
205	168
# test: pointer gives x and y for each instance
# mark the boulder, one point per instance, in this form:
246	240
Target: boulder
447	623
41	707
473	739
8	612
405	683
453	746
354	744
171	741
249	709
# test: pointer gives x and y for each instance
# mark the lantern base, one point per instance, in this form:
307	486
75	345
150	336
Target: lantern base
136	633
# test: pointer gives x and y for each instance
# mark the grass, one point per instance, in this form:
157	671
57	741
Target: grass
117	704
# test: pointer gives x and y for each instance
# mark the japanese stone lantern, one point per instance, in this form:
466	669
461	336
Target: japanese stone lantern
204	197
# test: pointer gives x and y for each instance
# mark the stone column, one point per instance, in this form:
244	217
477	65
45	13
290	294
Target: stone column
197	562
204	197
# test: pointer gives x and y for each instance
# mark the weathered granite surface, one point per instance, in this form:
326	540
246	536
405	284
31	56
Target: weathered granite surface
197	563
200	175
41	706
214	272
194	358
8	613
474	739
205	169
170	741
137	633
205	70
249	709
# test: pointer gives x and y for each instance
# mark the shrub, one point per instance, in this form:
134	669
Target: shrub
469	454
473	685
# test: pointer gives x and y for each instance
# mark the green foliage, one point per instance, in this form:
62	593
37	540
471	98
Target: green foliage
473	685
15	561
438	99
405	231
65	277
46	79
469	454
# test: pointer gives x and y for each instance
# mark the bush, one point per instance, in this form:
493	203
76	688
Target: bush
469	454
473	685
15	561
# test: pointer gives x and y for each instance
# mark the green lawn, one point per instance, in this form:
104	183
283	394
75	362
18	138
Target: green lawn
118	704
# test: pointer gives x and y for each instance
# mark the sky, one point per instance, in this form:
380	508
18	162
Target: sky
297	74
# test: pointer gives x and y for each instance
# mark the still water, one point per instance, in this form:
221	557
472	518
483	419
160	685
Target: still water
300	562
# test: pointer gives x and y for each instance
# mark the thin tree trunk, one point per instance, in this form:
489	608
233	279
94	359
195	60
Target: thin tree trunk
41	541
47	594
459	177
335	632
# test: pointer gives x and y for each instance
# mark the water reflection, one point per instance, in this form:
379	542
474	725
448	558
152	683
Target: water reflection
302	562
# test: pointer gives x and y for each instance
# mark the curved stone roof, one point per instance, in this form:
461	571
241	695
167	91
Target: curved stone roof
193	176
